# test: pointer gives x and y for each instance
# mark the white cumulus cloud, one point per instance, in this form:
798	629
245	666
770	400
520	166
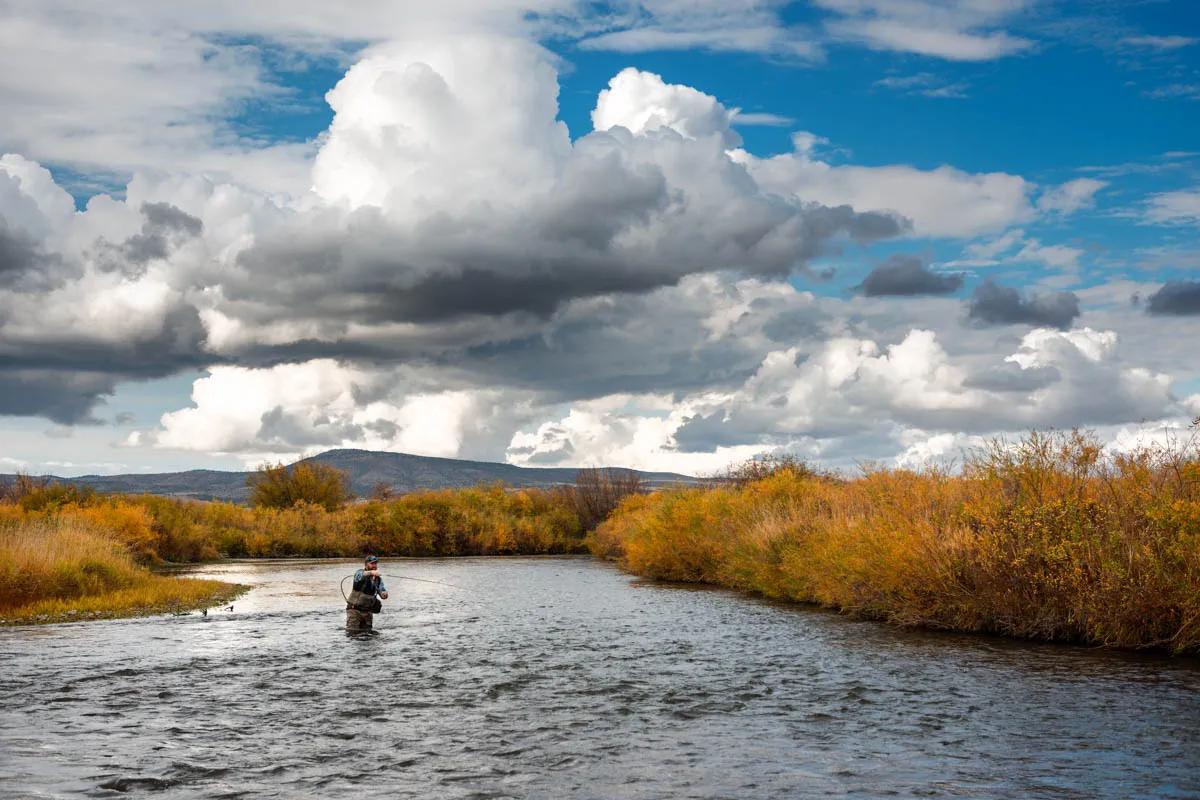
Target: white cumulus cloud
942	202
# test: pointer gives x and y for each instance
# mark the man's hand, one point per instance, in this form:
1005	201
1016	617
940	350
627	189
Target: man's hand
383	595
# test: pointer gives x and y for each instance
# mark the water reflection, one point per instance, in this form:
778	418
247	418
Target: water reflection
562	677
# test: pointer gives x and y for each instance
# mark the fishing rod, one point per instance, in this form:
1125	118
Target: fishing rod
425	580
342	585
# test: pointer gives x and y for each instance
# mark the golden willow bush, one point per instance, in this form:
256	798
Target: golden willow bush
1045	538
486	520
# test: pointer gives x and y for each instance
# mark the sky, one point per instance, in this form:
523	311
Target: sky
669	235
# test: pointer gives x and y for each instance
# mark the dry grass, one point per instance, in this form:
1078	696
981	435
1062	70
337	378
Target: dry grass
1046	538
71	567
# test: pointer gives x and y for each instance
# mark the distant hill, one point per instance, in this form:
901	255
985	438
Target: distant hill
366	468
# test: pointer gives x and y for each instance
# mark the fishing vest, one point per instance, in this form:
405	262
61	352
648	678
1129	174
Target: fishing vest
363	595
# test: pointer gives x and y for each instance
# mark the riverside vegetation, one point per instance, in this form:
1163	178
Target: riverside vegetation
1047	538
74	566
68	552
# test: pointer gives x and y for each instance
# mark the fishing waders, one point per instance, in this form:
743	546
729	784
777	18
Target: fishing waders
360	611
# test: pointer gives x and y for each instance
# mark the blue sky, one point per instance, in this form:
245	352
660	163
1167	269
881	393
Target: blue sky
1088	103
191	225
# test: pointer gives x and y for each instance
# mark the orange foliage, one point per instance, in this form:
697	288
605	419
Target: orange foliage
1047	538
485	520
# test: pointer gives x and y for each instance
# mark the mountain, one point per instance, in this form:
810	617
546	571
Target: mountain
366	468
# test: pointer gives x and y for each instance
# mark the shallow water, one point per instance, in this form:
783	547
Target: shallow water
566	678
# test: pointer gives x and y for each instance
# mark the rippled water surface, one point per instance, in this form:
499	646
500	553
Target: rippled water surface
565	678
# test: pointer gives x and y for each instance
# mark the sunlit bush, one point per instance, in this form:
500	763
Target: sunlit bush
1045	538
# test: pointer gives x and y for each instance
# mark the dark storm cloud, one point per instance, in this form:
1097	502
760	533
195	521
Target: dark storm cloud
66	397
992	304
822	223
705	433
905	276
176	344
415	288
368	272
1175	297
65	383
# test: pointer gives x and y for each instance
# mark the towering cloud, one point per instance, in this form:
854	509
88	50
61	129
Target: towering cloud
641	101
446	194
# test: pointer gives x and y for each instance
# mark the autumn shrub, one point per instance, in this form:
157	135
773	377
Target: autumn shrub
279	486
40	494
1045	538
766	465
130	525
483	520
1074	544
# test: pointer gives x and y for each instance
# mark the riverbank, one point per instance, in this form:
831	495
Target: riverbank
1048	538
67	569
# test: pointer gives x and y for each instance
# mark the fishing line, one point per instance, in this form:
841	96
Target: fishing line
342	585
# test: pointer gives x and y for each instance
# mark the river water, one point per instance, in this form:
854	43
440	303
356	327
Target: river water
562	677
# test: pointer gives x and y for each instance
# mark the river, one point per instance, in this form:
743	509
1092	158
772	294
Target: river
563	677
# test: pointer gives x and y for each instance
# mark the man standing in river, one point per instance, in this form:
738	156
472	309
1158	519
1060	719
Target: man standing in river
367	591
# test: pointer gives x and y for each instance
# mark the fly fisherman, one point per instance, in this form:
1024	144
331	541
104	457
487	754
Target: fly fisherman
363	602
